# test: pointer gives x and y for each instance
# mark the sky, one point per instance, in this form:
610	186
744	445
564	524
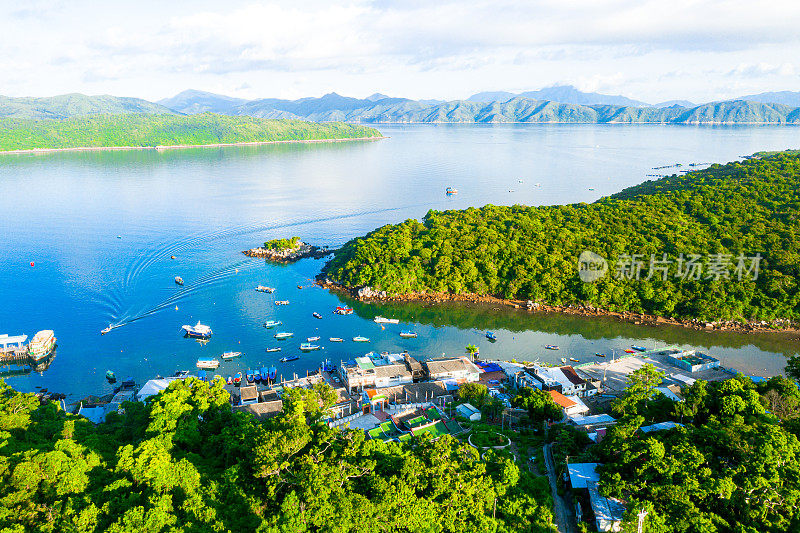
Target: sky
699	50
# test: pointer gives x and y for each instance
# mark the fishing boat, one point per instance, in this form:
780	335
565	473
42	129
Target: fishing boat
574	360
272	323
343	310
382	320
198	331
207	363
316	315
179	280
283	335
299	286
450	190
264	288
491	336
276	349
281	302
42	344
289	358
273	372
563	360
408	334
598	354
308	347
231	355
550	347
237	378
639	348
360	339
110	376
336	339
326	366
257	375
249	376
630	351
264	374
312	339
229	380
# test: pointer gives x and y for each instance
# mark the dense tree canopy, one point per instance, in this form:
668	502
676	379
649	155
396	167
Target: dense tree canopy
711	224
185	461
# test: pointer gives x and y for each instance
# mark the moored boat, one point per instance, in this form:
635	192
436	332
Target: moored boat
563	360
336	339
630	351
360	339
574	360
639	348
229	380
408	334
283	335
316	315
451	190
281	302
42	344
237	378
276	349
231	355
289	358
383	320
178	280
308	347
598	354
312	339
343	310
550	347
264	288
491	336
272	323
111	377
198	331
273	372
207	363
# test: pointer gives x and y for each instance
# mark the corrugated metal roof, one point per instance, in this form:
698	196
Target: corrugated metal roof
582	474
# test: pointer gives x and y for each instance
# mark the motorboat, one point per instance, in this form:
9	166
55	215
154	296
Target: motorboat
343	310
272	323
109	328
574	360
283	335
207	363
408	334
312	339
198	331
111	377
563	360
237	378
450	190
178	280
231	355
308	347
598	354
316	315
289	358
360	339
42	344
550	347
264	288
491	336
276	349
229	380
281	302
639	348
273	372
382	320
336	339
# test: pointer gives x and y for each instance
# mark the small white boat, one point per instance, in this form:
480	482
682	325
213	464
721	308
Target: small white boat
207	363
283	335
198	331
564	360
451	190
312	339
574	360
336	339
360	339
382	320
308	347
272	323
408	334
281	302
42	344
276	349
231	355
179	280
263	288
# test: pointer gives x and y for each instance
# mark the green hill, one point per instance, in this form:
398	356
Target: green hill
164	130
726	215
72	105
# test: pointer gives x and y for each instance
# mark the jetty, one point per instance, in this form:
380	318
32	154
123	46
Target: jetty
13	348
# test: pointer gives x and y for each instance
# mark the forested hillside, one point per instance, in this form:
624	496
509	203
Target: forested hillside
185	462
731	235
165	130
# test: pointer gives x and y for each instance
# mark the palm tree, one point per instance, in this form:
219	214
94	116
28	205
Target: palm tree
472	350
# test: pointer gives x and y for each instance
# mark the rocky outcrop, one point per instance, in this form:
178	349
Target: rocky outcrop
289	255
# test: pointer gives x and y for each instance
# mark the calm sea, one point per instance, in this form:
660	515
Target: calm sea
101	229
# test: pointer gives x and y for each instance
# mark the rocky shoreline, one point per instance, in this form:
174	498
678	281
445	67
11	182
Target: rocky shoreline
289	255
368	294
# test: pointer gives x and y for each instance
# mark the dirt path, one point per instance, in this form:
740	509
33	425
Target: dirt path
563	514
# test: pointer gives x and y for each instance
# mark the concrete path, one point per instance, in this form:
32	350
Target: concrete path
564	517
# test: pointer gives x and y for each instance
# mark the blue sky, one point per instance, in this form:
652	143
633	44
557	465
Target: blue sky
650	50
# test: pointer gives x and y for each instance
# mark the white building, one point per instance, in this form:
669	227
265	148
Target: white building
376	371
457	368
562	379
570	405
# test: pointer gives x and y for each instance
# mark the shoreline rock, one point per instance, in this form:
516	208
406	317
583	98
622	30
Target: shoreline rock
368	293
289	255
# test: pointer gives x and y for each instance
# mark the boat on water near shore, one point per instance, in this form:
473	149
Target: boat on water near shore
179	280
336	339
316	315
360	339
343	310
110	376
628	350
207	363
563	360
276	349
231	355
308	347
42	344
237	378
550	347
491	336
272	323
382	320
312	339
283	335
198	331
263	288
450	191
408	334
281	302
639	348
289	358
598	354
574	360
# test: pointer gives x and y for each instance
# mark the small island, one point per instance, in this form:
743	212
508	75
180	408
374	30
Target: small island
287	250
164	131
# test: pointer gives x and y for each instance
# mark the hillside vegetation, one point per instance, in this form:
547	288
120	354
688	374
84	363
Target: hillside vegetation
184	461
71	105
725	214
164	130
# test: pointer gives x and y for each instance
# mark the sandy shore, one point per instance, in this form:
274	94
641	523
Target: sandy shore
579	310
182	146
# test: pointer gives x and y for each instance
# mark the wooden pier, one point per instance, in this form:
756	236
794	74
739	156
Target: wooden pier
13	349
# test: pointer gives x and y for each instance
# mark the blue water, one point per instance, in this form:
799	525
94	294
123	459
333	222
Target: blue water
64	212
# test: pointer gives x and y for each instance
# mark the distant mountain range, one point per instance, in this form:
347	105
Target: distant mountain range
560	104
